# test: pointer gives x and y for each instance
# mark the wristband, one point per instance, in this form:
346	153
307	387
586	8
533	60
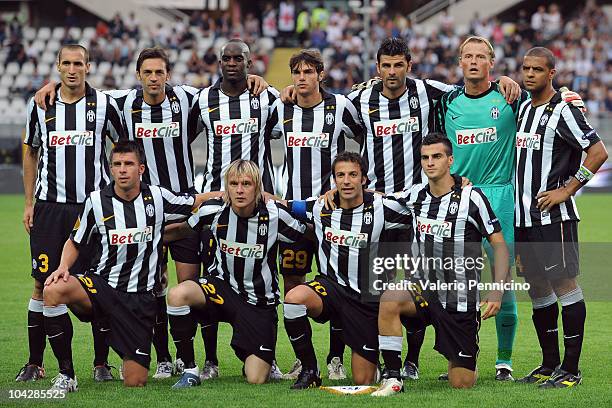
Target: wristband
583	175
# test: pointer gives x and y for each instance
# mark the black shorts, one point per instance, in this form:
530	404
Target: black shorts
254	327
131	317
296	259
208	246
456	333
549	251
359	320
186	250
53	223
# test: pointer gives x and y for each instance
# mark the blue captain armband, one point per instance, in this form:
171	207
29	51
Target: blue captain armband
298	208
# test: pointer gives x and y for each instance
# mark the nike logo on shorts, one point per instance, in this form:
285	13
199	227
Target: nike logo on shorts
296	338
464	355
366	348
262	348
140	352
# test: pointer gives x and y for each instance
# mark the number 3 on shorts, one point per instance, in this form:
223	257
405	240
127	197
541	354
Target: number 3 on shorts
44	263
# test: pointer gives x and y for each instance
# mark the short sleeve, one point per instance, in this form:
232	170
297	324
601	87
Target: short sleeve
481	215
176	207
85	225
289	228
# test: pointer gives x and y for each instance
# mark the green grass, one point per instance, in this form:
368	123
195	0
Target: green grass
231	389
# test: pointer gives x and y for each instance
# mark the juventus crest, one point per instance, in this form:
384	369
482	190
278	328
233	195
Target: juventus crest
329	118
91	115
263	229
414	102
367	218
255	105
150	210
176	108
453	207
495	112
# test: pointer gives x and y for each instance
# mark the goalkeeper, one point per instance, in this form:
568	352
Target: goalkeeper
482	127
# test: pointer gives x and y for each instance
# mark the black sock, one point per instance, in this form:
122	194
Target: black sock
545	322
300	335
209	335
58	328
160	331
183	329
414	339
100	330
391	350
336	341
573	317
36	332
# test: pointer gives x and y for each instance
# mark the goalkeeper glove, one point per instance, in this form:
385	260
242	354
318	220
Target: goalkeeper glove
573	98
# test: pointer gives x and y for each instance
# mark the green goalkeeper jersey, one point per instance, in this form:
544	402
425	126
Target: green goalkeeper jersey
482	129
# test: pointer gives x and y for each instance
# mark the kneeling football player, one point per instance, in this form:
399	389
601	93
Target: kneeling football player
126	219
449	221
242	285
345	238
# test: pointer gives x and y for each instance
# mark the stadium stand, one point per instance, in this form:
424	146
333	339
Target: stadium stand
580	39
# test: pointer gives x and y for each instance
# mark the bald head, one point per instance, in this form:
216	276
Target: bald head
236	44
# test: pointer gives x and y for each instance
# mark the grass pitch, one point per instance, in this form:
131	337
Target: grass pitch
232	390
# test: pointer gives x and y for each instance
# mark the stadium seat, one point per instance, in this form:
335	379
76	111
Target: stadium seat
118	70
180	68
44	69
103	68
39	45
12	68
6	81
4	93
27	68
48	57
185	54
21	82
88	33
53	45
58	33
44	33
75	32
29	33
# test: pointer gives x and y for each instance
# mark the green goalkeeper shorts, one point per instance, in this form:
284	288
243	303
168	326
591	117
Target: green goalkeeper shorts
501	198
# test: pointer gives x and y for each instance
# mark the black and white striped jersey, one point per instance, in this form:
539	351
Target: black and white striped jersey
72	140
347	238
313	138
550	139
162	132
449	231
235	128
395	129
246	249
130	234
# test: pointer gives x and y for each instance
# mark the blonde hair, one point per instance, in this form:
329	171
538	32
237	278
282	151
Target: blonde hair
477	39
239	168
